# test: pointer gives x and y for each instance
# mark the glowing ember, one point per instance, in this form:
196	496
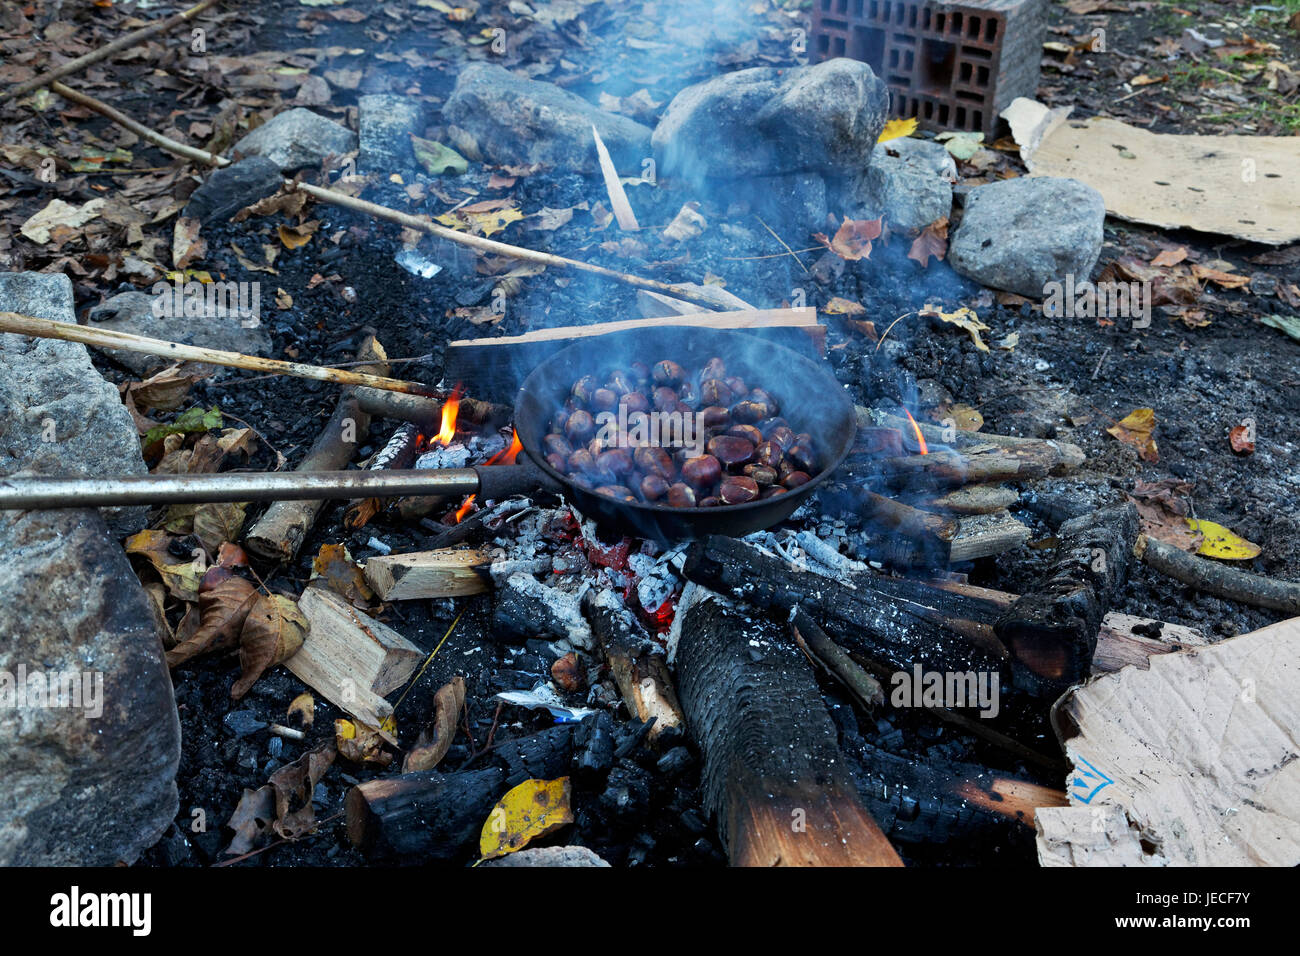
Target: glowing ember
916	430
449	410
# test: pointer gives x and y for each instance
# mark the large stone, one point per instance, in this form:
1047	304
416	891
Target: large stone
1020	234
57	414
133	312
550	856
296	139
515	120
824	118
908	181
81	787
386	122
231	188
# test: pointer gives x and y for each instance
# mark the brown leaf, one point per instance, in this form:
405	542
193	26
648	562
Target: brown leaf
435	739
1136	429
1241	441
251	821
216	523
1227	280
360	743
289	203
272	632
187	246
932	242
339	572
1170	257
841	306
1163	507
853	239
294	784
181	575
224	602
165	390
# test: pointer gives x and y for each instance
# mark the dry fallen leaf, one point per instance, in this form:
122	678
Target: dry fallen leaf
932	242
897	129
360	744
963	318
304	705
436	738
224	602
1170	257
529	811
181	575
1162	508
1241	440
840	306
272	632
1137	429
334	567
853	239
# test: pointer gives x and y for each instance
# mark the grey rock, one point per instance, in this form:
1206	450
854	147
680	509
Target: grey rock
1020	234
297	138
764	121
134	312
908	181
549	856
57	414
515	120
231	188
385	122
80	789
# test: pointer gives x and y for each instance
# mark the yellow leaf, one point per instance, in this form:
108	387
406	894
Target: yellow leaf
897	129
295	237
485	222
529	811
303	705
963	318
840	306
1219	542
1136	429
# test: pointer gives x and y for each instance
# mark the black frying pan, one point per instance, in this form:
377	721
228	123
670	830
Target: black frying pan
811	400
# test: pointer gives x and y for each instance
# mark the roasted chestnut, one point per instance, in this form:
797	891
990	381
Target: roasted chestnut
616	491
654	487
763	397
604	399
616	461
583	389
702	473
713	368
736	384
681	495
580	427
688	393
802	454
715	416
768	453
714	391
796	478
749	412
582	460
640	373
668	373
747	432
621	382
782	437
635	403
558	462
763	475
730	450
665	398
737	489
772	492
557	445
653	461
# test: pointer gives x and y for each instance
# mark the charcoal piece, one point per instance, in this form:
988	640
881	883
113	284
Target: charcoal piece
526	608
593	743
426	816
1051	631
675	761
544	755
627	793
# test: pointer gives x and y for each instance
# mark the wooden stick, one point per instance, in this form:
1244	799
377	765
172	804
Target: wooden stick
424	224
279	533
818	645
144	132
175	351
973	500
448	572
1217	579
94	56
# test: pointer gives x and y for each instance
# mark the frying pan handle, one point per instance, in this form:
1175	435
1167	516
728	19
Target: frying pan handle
504	481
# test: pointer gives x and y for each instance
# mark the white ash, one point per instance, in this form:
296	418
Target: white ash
565	607
658	577
455	455
506	567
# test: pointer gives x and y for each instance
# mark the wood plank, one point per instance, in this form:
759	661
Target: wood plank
446	572
351	659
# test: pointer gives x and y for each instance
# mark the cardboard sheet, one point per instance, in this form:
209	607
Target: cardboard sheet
1243	186
1192	761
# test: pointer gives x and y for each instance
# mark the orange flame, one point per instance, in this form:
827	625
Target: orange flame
450	408
916	430
506	456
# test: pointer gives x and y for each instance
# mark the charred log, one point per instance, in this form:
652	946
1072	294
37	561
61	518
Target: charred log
426	816
1052	631
773	772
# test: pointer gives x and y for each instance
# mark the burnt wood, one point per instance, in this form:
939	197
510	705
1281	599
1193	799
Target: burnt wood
1052	630
774	775
426	816
885	628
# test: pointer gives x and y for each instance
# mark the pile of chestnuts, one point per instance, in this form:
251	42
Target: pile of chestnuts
661	435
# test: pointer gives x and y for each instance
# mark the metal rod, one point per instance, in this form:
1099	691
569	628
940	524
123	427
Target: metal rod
42	493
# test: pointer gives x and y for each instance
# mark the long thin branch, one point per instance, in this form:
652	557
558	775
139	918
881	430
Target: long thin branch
423	224
111	339
94	56
1216	579
144	132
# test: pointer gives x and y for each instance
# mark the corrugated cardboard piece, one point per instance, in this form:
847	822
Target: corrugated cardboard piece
1191	761
1244	186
